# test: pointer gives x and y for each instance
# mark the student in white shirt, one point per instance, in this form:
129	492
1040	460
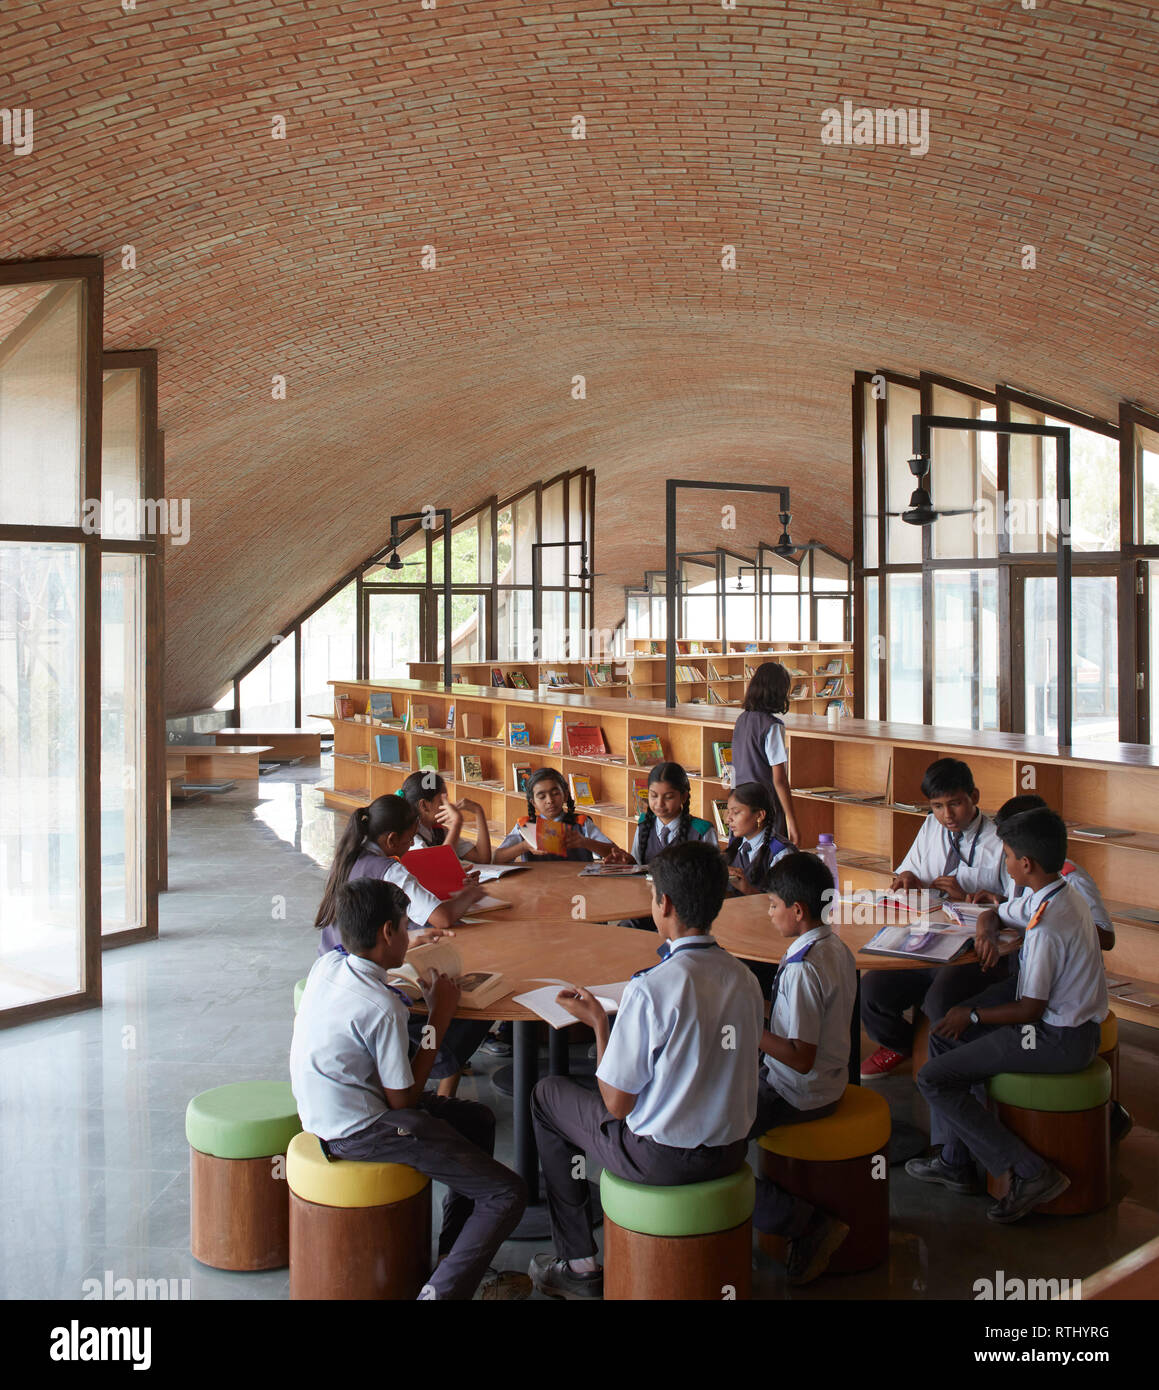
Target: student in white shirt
1062	995
958	852
805	1049
440	820
753	848
668	819
549	797
674	1104
358	1089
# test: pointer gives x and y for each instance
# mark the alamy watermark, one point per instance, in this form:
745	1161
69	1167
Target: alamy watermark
16	129
126	518
877	125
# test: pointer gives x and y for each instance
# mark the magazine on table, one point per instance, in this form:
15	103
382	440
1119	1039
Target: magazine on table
921	941
601	870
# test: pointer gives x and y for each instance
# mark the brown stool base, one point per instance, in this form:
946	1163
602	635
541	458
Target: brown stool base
1076	1142
360	1252
1112	1060
846	1189
706	1268
239	1212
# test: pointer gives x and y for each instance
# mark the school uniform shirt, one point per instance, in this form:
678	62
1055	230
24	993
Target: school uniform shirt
350	1042
745	860
372	863
589	830
981	861
1061	961
423	840
662	836
1016	911
812	998
694	1082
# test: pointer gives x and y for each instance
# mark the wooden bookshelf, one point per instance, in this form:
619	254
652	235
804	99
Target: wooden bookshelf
1101	784
717	677
566	677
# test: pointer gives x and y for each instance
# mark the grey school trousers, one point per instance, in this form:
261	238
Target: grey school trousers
886	994
451	1141
953	1083
778	1212
571	1120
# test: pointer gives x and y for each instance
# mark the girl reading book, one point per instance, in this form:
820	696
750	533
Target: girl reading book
753	848
552	821
758	743
440	820
668	819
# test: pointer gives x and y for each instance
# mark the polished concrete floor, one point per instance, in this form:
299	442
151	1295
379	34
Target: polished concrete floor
94	1169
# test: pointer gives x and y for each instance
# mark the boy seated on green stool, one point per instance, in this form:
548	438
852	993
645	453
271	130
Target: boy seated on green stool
805	1048
1052	1026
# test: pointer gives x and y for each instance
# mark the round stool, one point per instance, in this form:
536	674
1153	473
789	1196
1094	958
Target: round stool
357	1230
1066	1119
240	1215
688	1242
839	1163
1109	1050
298	988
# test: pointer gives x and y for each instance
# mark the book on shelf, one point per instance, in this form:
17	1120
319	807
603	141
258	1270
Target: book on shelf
815	791
477	988
639	797
546	836
343	706
518	734
713	673
647	749
420	716
722	756
796	671
471	725
555	741
720	817
799	691
458	678
831	668
1099	832
497	677
585	739
451	716
381	706
693	648
427	756
581	789
471	767
713	697
386	748
831	687
653	648
589	676
519	681
839	706
751	647
520	772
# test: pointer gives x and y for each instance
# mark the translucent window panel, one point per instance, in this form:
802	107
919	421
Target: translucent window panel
552	639
903	541
784	619
966	649
123	780
1094	657
830	620
637	616
41	406
871	503
41	709
1023	508
577	645
1094	488
393	626
740	617
1147	445
267	693
555	562
329	652
513	625
1153	648
957	482
830	575
468	627
505	539
904	644
525	536
870	677
122	456
700	617
577	530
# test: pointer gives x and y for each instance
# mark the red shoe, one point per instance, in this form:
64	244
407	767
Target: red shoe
883	1061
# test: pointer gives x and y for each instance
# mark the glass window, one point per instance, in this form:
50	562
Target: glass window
1024	524
966	649
870	676
905	648
122	455
1147	445
393	626
963	475
267	693
329	648
576	647
740	599
903	541
513	624
556	561
123	784
830	620
1094	657
870	502
1153	667
41	708
524	536
698	617
504	560
553	635
468	627
783	613
41	410
1094	488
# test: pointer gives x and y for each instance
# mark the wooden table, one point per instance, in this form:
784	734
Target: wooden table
555	892
283	744
206	761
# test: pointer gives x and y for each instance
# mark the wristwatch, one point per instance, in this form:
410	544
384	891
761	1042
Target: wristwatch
974	1016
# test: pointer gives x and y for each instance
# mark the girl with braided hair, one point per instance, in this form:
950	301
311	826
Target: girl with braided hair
549	798
668	819
753	847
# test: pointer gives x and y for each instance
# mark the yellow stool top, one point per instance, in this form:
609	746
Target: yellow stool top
1108	1034
860	1125
345	1182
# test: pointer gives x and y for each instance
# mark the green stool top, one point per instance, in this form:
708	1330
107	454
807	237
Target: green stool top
298	988
1055	1092
250	1119
696	1209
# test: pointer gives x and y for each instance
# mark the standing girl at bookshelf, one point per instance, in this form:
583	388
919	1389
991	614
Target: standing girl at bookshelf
375	838
549	799
440	820
753	849
668	819
758	743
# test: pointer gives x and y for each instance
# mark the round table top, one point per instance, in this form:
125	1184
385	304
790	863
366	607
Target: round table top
582	953
743	928
556	891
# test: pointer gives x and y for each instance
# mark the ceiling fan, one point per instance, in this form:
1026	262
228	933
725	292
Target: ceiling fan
921	510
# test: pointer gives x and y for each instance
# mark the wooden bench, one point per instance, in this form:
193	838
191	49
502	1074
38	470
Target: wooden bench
284	744
206	762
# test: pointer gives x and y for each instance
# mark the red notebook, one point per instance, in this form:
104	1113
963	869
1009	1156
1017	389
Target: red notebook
438	869
584	739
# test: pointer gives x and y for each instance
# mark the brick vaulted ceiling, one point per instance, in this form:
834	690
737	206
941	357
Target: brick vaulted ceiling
452	127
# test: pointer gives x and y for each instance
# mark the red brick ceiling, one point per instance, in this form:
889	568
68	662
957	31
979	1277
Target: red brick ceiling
556	257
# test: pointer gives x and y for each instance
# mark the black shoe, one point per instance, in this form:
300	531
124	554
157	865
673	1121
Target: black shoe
810	1253
496	1047
962	1180
1027	1193
1121	1122
556	1279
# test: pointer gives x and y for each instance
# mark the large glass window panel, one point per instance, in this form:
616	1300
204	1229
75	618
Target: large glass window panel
966	649
41	435
830	619
505	540
122	456
1094	488
740	599
513	625
871	503
904	638
699	614
393	628
552	638
870	677
41	709
556	561
903	541
1153	647
329	652
781	582
1094	657
123	779
525	535
468	627
1147	444
959	481
267	693
577	647
1024	522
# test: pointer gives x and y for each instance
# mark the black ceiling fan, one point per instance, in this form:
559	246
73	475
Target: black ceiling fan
921	510
786	547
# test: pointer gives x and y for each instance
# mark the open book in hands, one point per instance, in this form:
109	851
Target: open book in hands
477	988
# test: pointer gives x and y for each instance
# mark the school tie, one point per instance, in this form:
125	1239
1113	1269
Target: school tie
954	855
744	856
